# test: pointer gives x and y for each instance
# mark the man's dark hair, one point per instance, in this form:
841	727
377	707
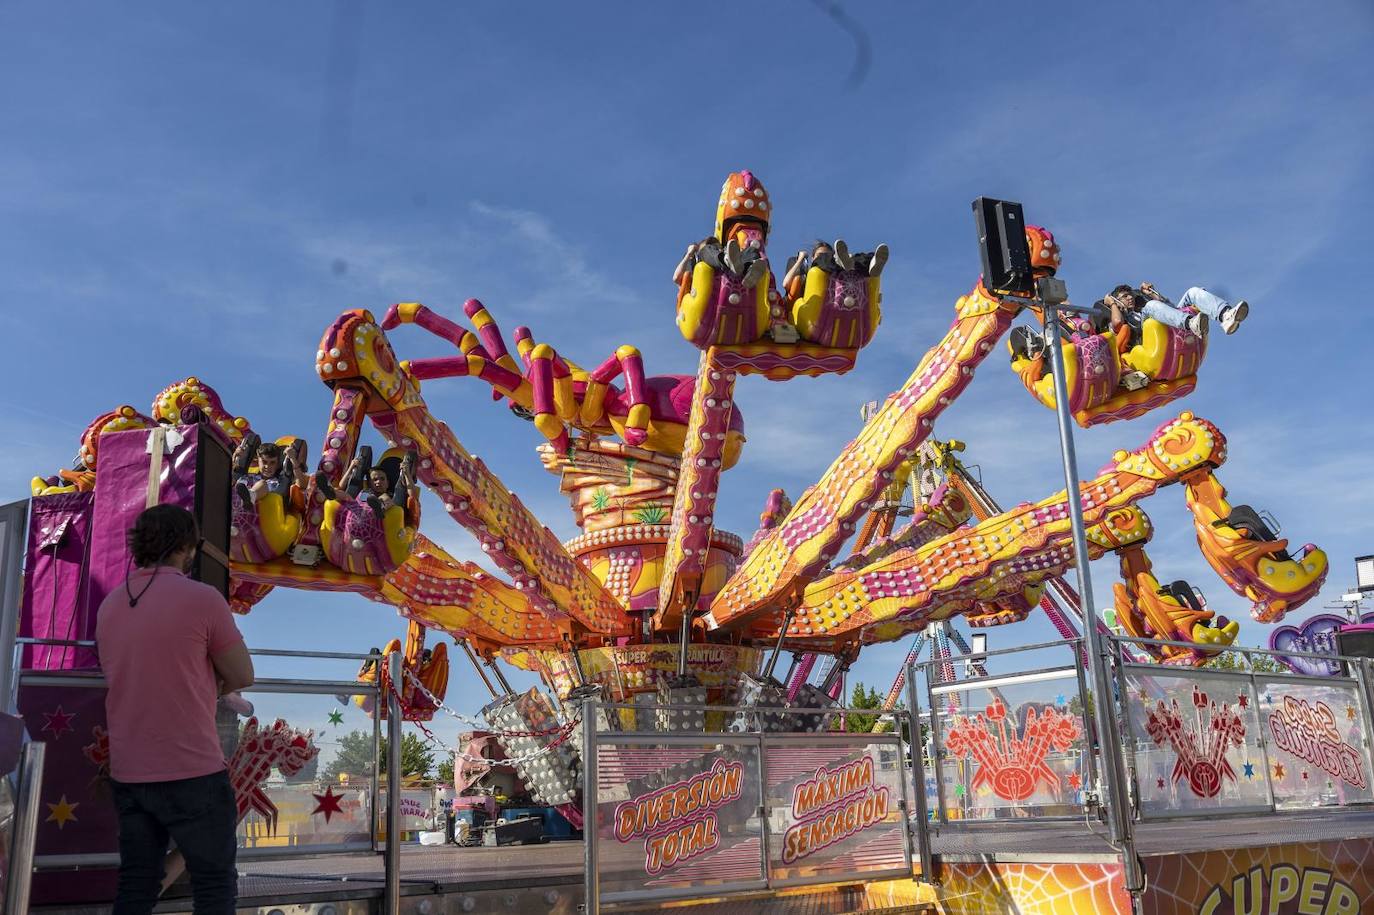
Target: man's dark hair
270	450
160	531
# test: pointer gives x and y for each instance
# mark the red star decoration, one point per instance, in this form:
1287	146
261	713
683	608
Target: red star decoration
1075	781
58	722
1159	783
1278	770
328	803
1304	775
1242	700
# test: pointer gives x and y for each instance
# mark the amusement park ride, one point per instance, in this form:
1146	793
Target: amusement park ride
652	600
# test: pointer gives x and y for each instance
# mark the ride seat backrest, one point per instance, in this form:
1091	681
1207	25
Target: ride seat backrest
1183	592
1245	519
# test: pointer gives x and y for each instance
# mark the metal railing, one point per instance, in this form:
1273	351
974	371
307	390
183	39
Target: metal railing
1304	732
93	678
1069	701
25	827
767	837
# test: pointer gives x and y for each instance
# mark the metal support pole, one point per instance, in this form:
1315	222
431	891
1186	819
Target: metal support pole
918	777
500	677
13	533
589	807
935	760
378	703
1081	676
1108	737
477	665
20	872
792	667
777	648
684	639
577	666
836	672
393	786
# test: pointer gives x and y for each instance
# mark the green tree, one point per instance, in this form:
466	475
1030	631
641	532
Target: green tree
307	772
444	774
354	758
865	698
1259	663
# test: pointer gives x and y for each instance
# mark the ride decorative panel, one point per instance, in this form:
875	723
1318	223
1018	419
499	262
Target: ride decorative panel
677	818
1013	746
835	806
1317	738
1196	741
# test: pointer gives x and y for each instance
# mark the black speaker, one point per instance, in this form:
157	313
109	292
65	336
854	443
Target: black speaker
214	489
1002	245
1355	643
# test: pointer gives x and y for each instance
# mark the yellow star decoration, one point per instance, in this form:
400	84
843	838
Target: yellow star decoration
61	812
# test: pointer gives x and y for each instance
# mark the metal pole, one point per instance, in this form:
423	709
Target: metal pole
500	677
478	666
1108	738
918	776
577	666
777	648
14	528
684	640
20	872
589	807
935	760
1083	694
378	703
393	786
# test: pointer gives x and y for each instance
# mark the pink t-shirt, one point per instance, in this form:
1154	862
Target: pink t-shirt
162	685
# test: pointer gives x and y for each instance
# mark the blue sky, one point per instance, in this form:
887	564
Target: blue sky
200	189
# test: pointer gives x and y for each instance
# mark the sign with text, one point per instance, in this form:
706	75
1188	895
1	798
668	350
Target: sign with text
1317	751
835	806
674	819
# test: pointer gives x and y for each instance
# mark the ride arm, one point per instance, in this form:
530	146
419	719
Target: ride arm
998	556
694	502
436	590
509	532
823	518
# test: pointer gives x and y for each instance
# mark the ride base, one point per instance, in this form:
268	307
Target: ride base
1319	861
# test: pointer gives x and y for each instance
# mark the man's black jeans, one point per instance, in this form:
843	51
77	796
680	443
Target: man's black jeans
200	815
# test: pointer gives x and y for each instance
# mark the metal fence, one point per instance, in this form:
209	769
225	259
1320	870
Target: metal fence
66	709
1195	741
1212	741
678	810
1013	744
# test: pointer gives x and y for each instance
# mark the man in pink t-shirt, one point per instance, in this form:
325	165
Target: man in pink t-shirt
169	648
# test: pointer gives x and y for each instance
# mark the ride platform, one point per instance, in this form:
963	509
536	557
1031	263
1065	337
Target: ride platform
1320	859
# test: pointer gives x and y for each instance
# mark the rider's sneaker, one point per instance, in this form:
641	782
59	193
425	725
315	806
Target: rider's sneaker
843	259
1231	317
875	266
755	272
734	257
1134	381
1198	324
